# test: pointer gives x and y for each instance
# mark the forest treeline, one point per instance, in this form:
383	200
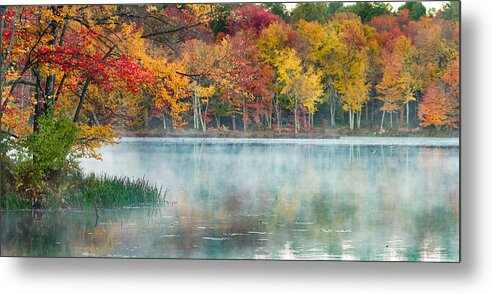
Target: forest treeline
250	66
71	74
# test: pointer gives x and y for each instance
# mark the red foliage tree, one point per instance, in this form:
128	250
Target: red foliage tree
251	16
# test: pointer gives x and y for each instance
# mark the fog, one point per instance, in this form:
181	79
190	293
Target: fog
380	199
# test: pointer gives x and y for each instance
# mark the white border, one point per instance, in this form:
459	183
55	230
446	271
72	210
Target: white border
473	275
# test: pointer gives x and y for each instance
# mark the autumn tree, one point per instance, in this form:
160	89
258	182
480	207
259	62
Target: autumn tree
201	61
440	104
436	44
115	65
301	86
170	92
248	79
62	51
317	45
435	109
396	87
251	16
272	41
350	70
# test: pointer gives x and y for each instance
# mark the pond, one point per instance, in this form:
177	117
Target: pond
369	199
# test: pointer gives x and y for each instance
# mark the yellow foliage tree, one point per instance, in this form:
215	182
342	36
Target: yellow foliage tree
350	68
302	87
201	61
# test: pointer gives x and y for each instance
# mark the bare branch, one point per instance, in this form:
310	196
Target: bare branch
22	82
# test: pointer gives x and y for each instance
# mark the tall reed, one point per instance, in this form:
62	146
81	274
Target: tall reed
94	191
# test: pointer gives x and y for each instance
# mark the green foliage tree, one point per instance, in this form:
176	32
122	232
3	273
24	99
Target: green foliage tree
334	7
218	23
369	10
450	10
319	12
415	9
277	8
44	153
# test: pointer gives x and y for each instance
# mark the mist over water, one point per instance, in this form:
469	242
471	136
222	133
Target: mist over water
372	199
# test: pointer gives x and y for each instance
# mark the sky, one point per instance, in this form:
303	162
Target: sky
428	4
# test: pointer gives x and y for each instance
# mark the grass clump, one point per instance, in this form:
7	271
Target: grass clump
12	201
81	191
109	191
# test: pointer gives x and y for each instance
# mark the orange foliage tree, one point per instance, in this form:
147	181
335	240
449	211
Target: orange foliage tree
440	104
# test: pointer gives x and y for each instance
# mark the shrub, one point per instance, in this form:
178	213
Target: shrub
43	156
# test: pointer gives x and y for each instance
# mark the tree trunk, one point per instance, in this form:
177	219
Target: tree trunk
279	116
245	115
146	111
311	114
195	111
49	91
333	108
234	122
350	119
302	120
359	115
94	118
217	120
382	119
296	120
201	120
81	100
352	127
356	118
391	119
205	115
85	87
402	118
408	115
37	108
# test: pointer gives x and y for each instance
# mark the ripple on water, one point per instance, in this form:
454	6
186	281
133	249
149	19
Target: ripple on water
216	238
258	233
302	223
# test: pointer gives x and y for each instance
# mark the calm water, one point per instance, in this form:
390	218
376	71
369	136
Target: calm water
347	199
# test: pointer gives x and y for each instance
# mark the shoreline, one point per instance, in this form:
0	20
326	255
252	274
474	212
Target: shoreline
340	141
255	134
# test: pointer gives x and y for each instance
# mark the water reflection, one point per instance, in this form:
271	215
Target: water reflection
266	202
